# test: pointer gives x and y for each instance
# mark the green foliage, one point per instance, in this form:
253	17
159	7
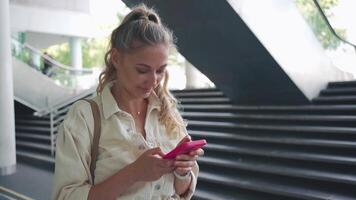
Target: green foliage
317	23
93	50
60	53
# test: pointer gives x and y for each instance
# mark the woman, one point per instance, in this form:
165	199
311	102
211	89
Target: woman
139	123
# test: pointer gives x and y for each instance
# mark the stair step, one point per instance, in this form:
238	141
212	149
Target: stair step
279	168
32	136
29	116
277	186
202	125
194	90
208	195
203	192
278	152
41	161
213	100
33	122
340	84
48	159
338	91
326	120
33	145
269	116
329	109
200	94
335	99
210	191
272	138
23	128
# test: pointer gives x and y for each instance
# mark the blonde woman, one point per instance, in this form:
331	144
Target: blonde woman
139	123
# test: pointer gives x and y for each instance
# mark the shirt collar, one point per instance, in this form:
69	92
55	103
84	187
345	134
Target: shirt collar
110	106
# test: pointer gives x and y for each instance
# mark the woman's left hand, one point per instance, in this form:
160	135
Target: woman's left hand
184	162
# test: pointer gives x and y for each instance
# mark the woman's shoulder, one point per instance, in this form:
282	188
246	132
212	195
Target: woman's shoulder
79	107
80	112
83	105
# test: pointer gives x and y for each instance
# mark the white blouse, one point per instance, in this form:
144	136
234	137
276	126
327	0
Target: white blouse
119	146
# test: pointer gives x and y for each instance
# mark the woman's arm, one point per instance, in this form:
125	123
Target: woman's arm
112	187
148	167
186	164
182	186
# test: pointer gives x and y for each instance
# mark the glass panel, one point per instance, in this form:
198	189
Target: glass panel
62	75
341	17
343	54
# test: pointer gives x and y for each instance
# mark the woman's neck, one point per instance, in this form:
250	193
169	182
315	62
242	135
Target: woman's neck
127	102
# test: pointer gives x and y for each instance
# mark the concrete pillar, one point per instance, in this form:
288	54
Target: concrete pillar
76	52
7	120
192	76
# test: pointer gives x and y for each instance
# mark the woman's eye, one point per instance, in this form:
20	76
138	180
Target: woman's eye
160	71
142	71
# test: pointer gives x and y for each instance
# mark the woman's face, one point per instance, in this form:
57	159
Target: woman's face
139	72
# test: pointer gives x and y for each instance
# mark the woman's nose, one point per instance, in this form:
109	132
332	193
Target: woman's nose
153	78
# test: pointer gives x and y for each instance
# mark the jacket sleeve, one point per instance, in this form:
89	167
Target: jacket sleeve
72	164
195	171
190	192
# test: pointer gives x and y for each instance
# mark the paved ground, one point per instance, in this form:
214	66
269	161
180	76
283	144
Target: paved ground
30	181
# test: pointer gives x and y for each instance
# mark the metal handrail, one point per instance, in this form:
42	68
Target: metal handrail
329	25
51	60
64	103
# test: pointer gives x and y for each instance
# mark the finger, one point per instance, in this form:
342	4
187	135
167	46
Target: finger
186	157
183	170
187	138
183	163
198	152
165	163
164	170
168	170
155	151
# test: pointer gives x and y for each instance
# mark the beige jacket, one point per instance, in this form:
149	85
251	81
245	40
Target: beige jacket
119	146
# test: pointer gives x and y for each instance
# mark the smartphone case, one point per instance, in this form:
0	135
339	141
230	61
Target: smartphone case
185	148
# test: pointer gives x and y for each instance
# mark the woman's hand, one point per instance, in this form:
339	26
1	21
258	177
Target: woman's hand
183	163
150	166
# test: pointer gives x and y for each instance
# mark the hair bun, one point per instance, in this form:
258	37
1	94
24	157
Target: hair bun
153	18
142	17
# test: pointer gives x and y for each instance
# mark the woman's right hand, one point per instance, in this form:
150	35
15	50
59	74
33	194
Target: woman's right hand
150	166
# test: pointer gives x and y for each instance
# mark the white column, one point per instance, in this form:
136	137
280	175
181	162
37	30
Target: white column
192	76
76	52
7	121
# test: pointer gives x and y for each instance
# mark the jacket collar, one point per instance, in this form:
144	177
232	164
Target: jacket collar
110	106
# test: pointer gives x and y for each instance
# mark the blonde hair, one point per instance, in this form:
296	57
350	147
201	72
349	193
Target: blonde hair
144	26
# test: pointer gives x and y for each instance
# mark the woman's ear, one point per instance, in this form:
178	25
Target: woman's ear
115	56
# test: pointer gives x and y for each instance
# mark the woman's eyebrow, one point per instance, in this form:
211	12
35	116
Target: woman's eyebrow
147	66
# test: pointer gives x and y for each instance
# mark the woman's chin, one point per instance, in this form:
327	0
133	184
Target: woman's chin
143	95
147	94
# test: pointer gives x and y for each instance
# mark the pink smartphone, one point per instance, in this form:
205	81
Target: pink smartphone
185	148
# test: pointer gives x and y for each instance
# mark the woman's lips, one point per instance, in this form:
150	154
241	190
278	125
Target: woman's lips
146	89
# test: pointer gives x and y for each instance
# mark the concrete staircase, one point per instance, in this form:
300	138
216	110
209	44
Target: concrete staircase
253	152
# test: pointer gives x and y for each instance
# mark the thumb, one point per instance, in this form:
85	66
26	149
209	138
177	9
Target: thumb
187	138
156	150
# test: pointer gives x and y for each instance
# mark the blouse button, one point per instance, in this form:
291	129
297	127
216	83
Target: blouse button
157	186
129	130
